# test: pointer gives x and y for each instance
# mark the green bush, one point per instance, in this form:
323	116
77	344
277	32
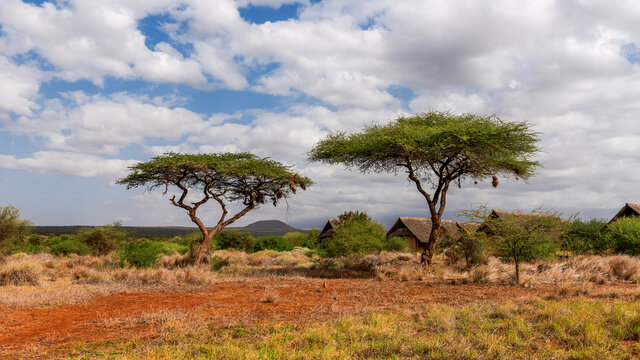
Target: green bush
147	253
102	239
20	245
584	237
271	242
395	244
12	227
295	239
356	234
623	235
232	239
68	244
471	246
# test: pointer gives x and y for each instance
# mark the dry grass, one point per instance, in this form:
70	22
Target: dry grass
42	279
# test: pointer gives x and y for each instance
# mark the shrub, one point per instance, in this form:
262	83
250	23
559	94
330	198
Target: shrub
295	239
147	253
218	262
233	239
12	226
584	237
68	244
356	234
271	242
471	247
395	243
103	239
20	272
623	235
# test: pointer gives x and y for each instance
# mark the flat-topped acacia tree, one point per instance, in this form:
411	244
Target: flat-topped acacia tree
226	178
436	148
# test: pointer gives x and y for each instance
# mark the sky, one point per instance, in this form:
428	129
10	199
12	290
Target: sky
91	87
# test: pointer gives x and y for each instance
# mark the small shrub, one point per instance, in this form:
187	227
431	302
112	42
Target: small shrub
624	267
68	244
147	253
20	272
624	235
12	226
395	243
218	262
584	237
233	239
356	234
103	239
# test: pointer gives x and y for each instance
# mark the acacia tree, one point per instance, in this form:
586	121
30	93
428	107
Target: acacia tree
226	178
436	148
522	237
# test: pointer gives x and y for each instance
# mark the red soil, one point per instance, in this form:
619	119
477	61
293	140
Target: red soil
230	303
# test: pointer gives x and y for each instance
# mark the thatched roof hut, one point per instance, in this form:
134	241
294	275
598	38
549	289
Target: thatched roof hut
627	210
417	230
329	229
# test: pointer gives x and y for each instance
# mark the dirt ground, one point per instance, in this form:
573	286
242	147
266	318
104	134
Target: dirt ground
231	303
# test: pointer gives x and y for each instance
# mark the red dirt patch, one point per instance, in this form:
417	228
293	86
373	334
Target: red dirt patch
232	303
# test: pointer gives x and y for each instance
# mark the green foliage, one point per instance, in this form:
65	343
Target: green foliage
355	235
395	243
68	244
295	239
240	176
584	237
271	242
311	242
471	246
147	253
233	239
102	239
472	145
623	235
12	227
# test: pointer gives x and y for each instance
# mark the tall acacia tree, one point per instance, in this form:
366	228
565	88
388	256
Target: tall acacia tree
436	148
226	178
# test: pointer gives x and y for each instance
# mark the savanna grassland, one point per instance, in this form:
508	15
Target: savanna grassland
297	305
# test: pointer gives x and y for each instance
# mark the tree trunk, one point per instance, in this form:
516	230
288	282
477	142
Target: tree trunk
206	240
430	250
517	262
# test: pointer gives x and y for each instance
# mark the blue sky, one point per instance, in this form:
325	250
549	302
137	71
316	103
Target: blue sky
88	88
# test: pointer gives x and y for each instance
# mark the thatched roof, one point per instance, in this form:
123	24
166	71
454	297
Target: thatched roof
329	228
420	228
628	209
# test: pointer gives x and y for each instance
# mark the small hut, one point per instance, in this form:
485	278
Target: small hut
627	210
329	229
417	230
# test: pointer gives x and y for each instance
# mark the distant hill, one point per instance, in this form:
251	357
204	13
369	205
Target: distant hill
258	228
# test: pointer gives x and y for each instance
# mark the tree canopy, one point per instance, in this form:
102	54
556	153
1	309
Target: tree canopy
228	177
438	148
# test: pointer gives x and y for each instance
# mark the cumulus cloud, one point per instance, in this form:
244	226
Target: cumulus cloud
68	163
569	68
89	40
18	87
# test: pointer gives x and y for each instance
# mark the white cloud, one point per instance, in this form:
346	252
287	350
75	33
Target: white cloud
19	86
106	125
88	40
68	163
